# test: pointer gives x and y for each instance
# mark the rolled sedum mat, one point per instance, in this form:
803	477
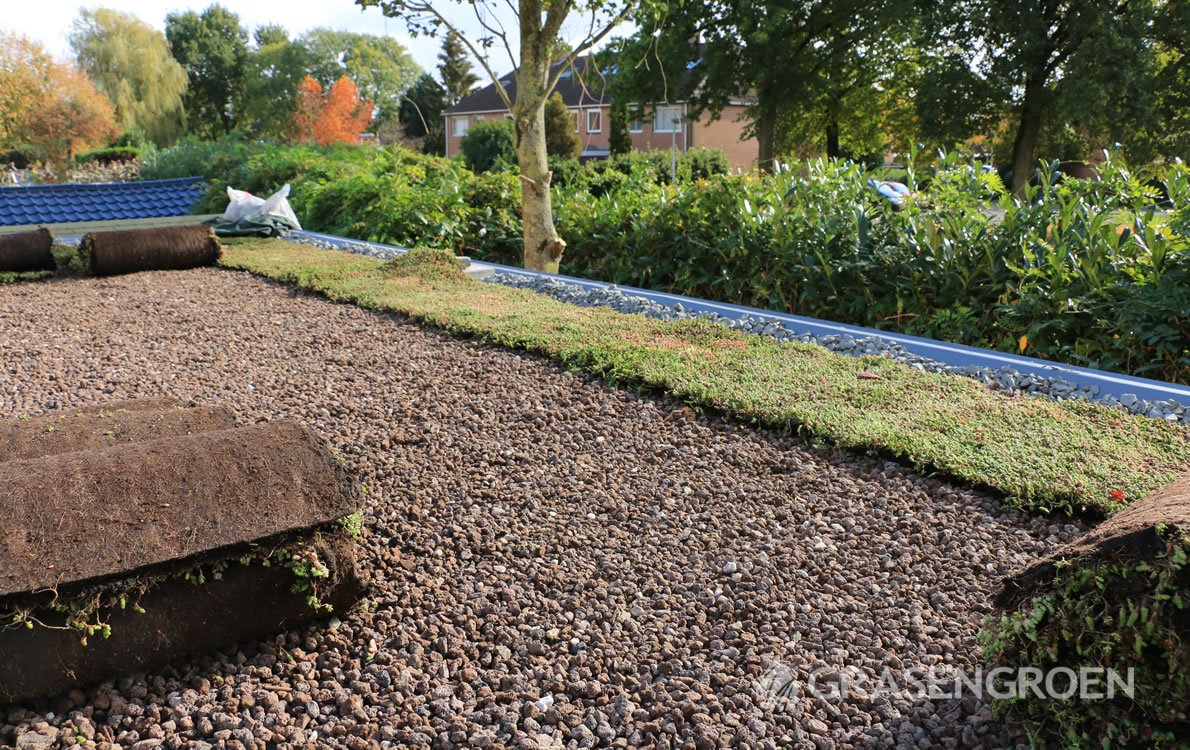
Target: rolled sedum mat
151	249
1107	618
76	518
27	251
82	430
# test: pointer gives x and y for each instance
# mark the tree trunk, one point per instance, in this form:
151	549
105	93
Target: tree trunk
766	136
832	139
1028	129
543	246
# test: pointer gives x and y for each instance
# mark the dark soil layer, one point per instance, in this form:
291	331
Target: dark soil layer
152	249
23	252
1138	533
69	431
179	618
79	517
555	563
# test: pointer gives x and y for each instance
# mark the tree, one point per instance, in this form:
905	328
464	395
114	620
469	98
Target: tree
539	25
309	106
213	47
788	55
380	66
268	34
339	116
561	136
25	74
455	68
1158	125
488	145
344	115
1048	60
421	114
130	62
619	139
273	72
76	117
51	109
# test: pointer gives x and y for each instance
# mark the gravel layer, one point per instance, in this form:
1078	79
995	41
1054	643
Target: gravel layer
556	563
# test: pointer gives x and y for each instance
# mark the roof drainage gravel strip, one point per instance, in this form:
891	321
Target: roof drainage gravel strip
1028	377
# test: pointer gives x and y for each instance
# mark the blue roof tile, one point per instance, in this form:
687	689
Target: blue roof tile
53	204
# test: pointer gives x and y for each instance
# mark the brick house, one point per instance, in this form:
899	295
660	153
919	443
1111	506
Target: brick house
661	126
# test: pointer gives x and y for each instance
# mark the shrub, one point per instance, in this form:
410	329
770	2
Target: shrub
702	164
1081	272
561	137
110	155
488	145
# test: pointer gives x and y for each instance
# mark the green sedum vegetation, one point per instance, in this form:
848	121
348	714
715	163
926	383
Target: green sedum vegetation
1121	613
1045	456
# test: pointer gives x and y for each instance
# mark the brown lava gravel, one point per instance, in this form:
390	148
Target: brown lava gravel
556	563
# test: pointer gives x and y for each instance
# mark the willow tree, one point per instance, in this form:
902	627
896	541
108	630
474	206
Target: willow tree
540	58
130	62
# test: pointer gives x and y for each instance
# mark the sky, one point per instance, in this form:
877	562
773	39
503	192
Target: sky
48	21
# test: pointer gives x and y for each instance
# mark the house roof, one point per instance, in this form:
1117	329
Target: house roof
53	204
577	87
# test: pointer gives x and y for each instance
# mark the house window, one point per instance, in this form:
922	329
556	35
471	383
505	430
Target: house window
634	123
459	126
594	121
576	119
667	120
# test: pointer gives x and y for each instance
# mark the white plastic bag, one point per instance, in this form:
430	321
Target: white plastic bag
277	204
242	204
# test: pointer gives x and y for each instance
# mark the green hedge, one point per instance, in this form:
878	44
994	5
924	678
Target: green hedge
1082	272
110	155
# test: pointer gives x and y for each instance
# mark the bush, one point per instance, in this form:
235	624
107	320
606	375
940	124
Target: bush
702	164
110	155
1081	272
489	145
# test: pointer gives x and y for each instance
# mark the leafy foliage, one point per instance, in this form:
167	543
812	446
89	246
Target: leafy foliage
339	116
420	114
48	110
455	68
213	47
488	146
561	137
1086	272
379	65
131	63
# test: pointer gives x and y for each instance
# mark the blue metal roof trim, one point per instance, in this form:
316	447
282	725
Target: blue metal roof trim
959	355
108	201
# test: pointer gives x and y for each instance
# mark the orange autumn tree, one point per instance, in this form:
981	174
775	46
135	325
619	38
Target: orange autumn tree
48	108
309	104
338	117
76	118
